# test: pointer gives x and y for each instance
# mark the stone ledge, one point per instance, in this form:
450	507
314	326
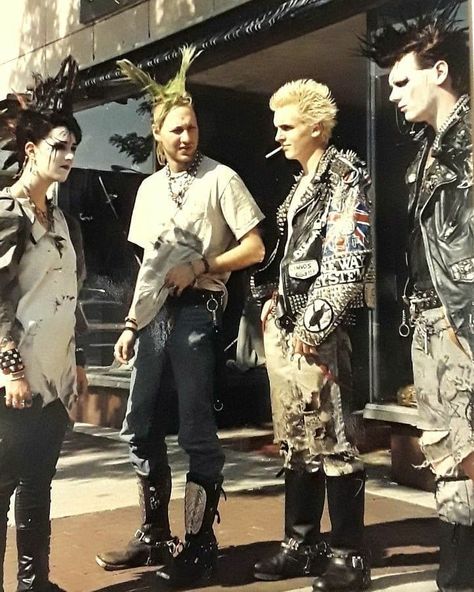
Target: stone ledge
109	377
391	413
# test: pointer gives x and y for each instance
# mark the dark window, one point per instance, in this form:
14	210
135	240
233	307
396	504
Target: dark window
95	9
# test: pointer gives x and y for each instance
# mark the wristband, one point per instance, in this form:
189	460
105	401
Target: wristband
131	320
133	330
205	262
80	357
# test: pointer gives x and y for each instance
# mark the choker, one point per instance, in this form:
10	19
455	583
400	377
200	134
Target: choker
178	185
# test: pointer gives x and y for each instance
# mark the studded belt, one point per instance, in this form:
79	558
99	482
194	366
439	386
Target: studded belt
422	300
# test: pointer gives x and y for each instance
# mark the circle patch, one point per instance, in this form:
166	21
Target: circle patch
318	316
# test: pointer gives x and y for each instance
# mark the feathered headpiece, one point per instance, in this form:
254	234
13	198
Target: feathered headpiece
433	36
166	95
47	96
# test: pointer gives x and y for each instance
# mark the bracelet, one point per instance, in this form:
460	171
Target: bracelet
10	361
205	262
131	320
17	376
80	357
132	329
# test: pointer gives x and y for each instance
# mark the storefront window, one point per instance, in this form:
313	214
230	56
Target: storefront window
114	157
392	150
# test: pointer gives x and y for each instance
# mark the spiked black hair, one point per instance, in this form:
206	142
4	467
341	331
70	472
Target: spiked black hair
431	37
32	115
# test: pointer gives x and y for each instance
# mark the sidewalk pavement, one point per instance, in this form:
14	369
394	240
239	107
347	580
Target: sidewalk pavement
94	508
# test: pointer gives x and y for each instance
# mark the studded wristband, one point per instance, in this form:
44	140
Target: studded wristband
10	361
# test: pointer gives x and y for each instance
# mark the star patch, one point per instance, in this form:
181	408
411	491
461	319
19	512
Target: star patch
318	316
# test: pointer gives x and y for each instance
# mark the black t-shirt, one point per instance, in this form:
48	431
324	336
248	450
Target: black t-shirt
418	269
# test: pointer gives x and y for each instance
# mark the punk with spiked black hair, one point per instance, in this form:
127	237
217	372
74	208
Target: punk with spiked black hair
429	77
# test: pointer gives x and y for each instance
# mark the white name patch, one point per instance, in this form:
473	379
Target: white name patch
463	271
303	270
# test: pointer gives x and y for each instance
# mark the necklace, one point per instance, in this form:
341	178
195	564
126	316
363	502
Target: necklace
179	184
44	217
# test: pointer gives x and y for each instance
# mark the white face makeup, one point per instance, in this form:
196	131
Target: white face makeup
414	89
54	155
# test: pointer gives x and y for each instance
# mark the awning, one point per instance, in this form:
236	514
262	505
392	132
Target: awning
243	30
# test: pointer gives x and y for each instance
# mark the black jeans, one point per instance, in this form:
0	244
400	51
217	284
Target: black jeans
30	442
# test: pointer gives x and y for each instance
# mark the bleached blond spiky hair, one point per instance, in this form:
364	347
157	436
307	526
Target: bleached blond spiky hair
314	101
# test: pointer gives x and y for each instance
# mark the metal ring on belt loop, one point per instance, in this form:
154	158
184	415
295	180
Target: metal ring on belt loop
212	304
404	330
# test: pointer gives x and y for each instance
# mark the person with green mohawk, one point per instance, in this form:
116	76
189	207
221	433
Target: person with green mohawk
196	222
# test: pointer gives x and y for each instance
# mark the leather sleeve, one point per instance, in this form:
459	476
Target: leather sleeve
346	253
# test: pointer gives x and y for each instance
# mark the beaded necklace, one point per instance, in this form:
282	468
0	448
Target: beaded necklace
179	185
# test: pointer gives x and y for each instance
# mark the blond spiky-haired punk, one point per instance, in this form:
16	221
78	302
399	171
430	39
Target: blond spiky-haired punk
163	97
314	101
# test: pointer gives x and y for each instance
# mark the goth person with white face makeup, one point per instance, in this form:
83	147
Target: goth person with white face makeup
429	79
40	376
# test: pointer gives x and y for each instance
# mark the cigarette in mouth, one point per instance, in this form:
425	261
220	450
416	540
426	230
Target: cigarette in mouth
273	152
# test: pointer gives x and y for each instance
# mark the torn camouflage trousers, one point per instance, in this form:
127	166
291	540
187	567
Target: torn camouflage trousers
444	382
311	410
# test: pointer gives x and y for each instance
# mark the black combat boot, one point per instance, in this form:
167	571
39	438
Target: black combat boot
347	571
4	505
33	532
456	557
302	553
150	544
196	558
348	567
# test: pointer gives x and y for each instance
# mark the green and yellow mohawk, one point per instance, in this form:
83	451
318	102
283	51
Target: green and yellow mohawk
167	95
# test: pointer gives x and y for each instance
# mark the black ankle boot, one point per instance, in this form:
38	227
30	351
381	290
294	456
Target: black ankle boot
347	571
302	553
294	560
456	558
348	567
151	542
196	558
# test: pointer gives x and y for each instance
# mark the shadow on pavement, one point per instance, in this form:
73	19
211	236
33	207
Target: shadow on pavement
410	535
236	562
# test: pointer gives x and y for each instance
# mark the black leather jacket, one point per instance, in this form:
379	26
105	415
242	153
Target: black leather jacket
447	218
327	256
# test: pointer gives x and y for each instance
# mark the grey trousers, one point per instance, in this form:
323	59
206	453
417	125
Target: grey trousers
312	402
444	382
